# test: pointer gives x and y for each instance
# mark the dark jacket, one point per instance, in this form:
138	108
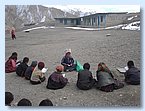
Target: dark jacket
20	70
67	60
28	72
132	75
56	81
104	79
85	79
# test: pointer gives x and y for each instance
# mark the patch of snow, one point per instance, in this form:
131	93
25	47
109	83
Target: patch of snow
37	9
52	27
135	16
92	29
43	27
80	28
132	26
114	27
132	17
43	19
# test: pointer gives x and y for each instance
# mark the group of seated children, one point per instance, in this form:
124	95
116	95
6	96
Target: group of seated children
105	80
9	98
33	72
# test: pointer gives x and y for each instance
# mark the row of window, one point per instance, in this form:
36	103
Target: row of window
82	19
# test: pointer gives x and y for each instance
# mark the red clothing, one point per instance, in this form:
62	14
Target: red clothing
13	34
10	66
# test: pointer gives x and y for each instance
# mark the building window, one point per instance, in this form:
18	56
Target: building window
101	18
72	21
65	22
61	21
82	19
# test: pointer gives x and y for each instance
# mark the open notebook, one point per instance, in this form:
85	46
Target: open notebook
122	70
44	70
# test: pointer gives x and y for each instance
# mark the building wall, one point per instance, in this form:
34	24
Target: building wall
96	20
100	20
65	22
115	19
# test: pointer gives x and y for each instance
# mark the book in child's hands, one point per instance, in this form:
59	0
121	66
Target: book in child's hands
44	70
122	70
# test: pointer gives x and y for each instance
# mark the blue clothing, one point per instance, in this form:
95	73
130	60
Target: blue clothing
67	60
28	72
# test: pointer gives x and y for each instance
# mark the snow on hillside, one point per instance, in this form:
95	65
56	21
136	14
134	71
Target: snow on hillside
43	19
132	26
132	17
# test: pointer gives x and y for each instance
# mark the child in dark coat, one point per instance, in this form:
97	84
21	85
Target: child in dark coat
85	79
132	75
20	70
24	102
68	61
56	79
30	69
9	97
46	102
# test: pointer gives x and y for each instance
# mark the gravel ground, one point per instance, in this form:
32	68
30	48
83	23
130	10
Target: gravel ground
48	45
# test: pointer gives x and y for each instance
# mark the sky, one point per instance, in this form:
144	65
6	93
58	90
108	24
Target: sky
100	8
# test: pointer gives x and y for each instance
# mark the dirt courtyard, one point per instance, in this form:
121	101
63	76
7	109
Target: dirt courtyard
48	45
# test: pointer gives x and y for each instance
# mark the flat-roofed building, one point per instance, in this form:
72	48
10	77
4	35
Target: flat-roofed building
98	20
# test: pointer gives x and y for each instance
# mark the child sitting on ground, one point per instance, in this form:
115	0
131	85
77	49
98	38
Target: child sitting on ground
68	61
24	102
106	81
20	70
57	80
10	65
30	69
9	97
132	75
37	75
46	102
85	79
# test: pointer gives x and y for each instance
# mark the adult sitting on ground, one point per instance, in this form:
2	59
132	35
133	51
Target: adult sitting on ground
85	79
30	69
10	65
37	75
56	80
68	61
20	70
132	75
106	81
